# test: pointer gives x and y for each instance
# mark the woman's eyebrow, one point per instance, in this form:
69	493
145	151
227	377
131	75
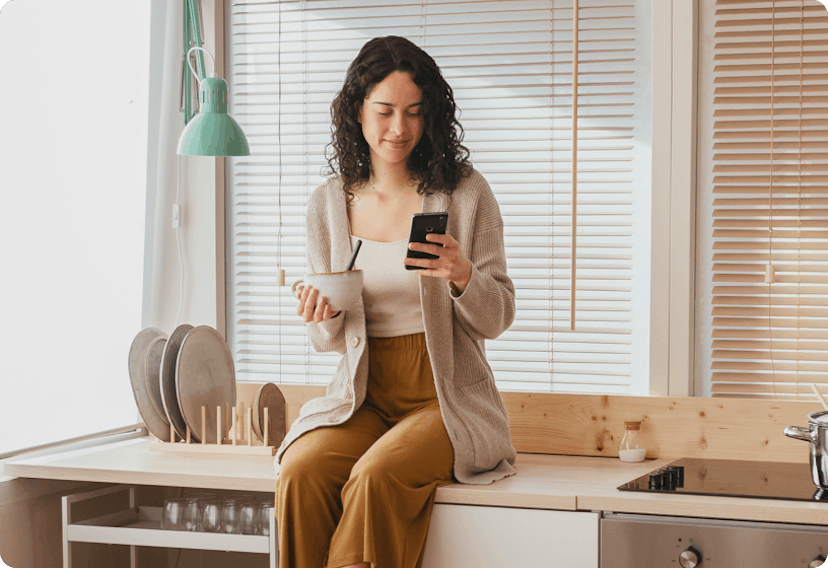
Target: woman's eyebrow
420	103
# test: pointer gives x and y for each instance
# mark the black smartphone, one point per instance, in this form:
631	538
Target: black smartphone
421	225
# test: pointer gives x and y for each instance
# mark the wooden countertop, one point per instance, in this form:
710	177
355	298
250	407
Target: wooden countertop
543	482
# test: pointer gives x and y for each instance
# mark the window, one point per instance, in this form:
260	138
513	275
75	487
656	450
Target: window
511	67
72	220
764	158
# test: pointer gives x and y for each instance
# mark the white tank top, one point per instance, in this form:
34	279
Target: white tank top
391	293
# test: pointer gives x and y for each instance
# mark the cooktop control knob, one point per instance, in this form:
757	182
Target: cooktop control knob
817	562
690	558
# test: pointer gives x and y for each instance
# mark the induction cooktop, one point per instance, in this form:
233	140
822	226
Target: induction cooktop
731	478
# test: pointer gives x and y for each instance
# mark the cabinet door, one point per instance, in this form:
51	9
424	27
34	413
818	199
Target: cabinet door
468	536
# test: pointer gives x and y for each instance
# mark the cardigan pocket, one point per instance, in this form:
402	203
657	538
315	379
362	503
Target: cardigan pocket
487	422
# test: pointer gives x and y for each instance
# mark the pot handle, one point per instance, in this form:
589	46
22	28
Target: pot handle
798	433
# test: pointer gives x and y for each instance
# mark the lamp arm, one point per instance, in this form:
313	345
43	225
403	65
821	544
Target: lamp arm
196	29
185	77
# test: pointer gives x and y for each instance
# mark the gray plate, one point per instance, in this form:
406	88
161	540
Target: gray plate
169	396
270	397
153	376
138	352
205	376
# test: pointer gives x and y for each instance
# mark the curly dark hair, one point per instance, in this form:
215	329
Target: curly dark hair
439	160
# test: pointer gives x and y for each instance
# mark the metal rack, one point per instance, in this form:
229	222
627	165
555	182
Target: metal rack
141	526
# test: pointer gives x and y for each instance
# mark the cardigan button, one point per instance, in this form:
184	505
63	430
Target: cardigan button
354	342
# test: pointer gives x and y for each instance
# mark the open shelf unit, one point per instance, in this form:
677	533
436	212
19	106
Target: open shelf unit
141	526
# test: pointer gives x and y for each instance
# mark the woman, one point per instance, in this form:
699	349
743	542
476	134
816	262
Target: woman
413	404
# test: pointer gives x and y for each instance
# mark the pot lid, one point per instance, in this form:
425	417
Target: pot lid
819	418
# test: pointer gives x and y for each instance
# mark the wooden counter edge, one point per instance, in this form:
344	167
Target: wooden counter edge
140	478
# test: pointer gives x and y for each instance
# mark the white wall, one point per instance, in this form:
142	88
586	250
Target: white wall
188	179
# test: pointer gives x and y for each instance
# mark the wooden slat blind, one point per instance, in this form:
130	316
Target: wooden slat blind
769	112
510	65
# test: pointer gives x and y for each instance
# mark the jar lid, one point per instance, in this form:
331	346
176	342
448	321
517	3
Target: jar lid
632	425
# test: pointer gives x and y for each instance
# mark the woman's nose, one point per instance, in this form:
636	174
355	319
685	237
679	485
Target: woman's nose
397	124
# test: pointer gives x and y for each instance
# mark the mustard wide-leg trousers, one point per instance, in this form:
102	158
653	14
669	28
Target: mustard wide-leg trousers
363	491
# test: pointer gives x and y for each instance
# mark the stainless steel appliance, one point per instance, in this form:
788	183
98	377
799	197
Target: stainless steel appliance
817	435
731	478
650	541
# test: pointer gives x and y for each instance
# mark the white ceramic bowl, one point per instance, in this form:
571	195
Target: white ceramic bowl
341	289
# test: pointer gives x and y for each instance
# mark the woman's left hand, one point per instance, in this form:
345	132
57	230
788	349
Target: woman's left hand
451	263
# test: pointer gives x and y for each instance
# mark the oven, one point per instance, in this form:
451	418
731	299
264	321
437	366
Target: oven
651	541
654	541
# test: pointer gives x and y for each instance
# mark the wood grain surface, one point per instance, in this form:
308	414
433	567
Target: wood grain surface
672	427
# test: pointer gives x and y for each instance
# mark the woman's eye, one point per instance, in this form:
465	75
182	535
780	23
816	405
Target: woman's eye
384	113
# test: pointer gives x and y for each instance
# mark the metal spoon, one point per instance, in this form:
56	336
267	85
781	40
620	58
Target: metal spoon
819	396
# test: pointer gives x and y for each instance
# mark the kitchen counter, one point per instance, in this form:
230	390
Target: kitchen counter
559	482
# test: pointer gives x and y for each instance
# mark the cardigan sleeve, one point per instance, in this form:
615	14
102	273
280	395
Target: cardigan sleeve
486	308
327	335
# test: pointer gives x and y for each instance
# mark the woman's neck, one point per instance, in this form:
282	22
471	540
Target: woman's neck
392	180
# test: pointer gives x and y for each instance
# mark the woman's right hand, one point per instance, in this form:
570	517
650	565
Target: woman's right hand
312	306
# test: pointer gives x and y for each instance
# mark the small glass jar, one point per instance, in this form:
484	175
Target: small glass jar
632	448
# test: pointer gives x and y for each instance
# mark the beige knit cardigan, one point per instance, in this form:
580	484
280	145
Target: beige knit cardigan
455	329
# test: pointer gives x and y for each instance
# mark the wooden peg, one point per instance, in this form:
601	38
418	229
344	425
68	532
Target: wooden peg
234	425
188	435
266	425
241	418
219	432
250	426
172	433
203	424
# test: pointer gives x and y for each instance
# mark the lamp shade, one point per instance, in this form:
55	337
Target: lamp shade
213	132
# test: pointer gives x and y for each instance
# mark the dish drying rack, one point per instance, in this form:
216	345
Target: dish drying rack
248	444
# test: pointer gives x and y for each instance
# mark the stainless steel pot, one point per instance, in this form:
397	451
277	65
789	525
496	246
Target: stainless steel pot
817	435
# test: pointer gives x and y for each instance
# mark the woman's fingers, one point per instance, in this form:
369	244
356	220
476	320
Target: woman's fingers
313	307
322	307
310	304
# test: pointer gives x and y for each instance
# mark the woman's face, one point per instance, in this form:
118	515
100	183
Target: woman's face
391	118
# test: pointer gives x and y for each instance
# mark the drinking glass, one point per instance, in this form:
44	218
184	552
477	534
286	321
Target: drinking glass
265	510
201	498
231	517
249	517
213	515
191	518
172	517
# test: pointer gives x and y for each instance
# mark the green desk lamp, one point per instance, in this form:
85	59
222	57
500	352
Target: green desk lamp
212	132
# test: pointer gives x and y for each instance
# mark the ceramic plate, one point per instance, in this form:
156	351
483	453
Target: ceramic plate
169	397
270	397
205	376
137	377
153	376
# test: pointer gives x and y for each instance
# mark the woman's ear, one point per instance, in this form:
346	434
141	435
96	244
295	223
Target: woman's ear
359	112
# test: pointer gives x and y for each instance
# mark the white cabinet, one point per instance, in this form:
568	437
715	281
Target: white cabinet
470	536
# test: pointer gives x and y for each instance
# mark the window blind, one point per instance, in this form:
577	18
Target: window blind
510	64
769	152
